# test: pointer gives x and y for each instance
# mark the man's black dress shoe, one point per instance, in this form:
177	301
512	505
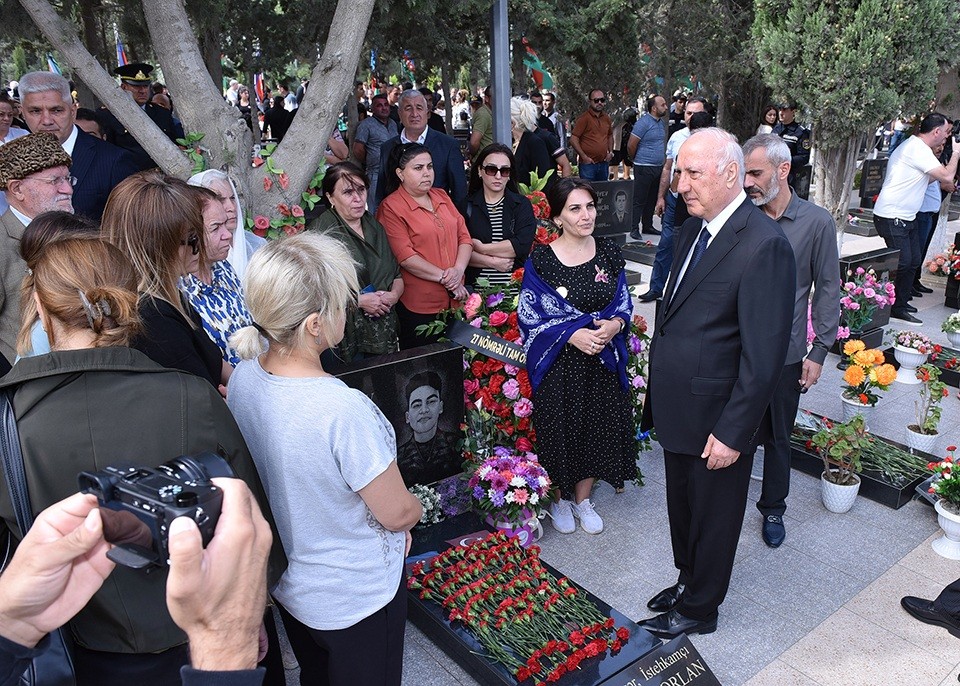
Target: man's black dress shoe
671	624
666	599
910	308
652	231
773	531
923	289
904	316
635	235
925	611
649	296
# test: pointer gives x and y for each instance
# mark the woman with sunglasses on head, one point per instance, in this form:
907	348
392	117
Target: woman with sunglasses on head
499	219
157	222
429	239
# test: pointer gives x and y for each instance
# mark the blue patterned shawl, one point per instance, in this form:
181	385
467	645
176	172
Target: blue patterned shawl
547	321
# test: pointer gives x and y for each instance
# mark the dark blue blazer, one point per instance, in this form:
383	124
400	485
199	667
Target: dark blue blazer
447	166
99	167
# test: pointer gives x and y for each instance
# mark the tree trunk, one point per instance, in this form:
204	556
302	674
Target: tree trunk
741	98
63	37
833	171
447	104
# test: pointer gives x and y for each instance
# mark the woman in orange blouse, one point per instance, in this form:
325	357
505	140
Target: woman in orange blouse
429	239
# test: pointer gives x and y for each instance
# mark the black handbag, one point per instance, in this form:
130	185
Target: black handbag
54	667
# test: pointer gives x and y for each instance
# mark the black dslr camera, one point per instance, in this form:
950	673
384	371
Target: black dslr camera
955	132
138	504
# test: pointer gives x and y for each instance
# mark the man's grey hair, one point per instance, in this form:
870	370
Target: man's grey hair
773	146
726	149
43	81
409	95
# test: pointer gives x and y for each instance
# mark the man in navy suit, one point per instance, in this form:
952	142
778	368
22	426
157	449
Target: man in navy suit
97	165
717	352
447	159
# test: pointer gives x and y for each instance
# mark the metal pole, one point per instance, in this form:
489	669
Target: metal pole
500	71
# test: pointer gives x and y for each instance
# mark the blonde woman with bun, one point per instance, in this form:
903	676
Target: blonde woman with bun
92	402
327	457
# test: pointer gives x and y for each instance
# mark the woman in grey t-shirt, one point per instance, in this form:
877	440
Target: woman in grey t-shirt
327	459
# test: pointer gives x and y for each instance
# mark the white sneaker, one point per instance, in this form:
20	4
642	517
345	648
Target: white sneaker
561	514
589	519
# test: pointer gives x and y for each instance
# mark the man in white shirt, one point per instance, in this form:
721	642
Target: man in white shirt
911	168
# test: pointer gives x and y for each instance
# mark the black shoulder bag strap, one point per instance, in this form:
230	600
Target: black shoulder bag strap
55	666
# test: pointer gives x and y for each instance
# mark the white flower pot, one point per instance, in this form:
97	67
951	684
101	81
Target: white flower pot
851	408
948	545
838	498
919	441
954	338
909	360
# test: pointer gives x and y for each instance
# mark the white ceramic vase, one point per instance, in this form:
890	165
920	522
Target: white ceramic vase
851	408
954	338
837	498
909	360
918	441
948	545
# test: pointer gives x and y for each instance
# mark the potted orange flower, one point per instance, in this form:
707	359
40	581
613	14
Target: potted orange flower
867	374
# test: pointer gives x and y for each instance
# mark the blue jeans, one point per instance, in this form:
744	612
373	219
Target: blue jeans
925	222
661	263
599	171
902	235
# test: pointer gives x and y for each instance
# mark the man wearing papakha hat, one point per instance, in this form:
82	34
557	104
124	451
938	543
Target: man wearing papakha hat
135	79
35	173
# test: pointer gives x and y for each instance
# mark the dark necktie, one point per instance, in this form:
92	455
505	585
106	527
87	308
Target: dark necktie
698	250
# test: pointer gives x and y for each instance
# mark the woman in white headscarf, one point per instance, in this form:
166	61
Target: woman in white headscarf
244	242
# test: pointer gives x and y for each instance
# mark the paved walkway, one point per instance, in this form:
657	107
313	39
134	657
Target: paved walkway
823	609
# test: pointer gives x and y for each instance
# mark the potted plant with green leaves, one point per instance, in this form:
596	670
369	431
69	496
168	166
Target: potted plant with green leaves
946	486
910	348
951	327
840	445
924	433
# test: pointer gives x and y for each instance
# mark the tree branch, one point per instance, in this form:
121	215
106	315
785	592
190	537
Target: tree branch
64	38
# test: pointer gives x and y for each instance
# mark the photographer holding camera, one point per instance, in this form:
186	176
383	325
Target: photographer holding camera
216	595
94	402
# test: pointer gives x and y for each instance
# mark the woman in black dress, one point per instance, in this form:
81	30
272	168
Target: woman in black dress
574	310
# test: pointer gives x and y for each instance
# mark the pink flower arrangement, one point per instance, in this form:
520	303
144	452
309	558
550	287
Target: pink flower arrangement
509	483
863	294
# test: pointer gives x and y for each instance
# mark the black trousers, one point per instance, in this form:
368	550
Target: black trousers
408	322
949	600
369	653
776	450
903	235
646	185
99	668
706	508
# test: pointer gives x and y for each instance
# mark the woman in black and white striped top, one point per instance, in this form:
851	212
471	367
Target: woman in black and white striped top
499	219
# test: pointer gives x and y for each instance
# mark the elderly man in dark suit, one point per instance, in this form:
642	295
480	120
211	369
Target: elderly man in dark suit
35	173
98	166
447	158
718	349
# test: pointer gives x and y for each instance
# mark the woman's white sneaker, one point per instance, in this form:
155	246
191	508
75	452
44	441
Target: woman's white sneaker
589	519
561	514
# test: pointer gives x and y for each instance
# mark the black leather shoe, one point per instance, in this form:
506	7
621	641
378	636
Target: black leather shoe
910	308
666	599
649	296
923	289
635	235
652	231
773	531
904	316
671	624
925	611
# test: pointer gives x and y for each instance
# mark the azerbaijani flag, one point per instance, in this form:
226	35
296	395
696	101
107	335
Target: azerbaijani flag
52	64
258	86
121	53
532	62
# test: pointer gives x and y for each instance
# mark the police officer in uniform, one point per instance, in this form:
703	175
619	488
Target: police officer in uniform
135	79
797	138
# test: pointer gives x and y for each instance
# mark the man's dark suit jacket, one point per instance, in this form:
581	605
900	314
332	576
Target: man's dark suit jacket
447	165
118	135
99	167
720	343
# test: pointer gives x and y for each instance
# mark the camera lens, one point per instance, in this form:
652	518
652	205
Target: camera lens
201	467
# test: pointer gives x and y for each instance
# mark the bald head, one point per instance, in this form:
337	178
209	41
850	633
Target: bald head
711	167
